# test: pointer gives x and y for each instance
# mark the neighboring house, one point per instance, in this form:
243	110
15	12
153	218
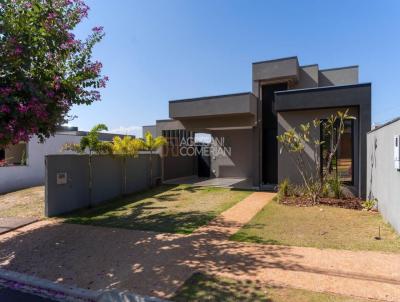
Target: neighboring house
283	95
22	165
383	170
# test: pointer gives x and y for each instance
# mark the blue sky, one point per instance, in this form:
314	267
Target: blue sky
155	51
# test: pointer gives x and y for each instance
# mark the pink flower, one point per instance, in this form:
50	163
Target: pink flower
23	108
5	91
5	109
17	50
98	29
18	86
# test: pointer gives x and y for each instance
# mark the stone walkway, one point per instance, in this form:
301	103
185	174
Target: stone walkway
157	264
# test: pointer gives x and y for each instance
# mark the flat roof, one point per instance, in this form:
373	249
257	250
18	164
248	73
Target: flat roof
210	97
321	88
277	60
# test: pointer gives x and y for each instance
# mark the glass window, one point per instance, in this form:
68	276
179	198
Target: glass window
342	161
14	155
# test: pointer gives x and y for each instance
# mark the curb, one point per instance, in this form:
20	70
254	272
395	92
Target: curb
65	293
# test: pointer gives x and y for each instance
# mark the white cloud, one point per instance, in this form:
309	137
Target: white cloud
130	130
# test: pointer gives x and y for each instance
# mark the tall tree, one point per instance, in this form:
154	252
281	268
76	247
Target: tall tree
44	68
93	145
126	147
151	144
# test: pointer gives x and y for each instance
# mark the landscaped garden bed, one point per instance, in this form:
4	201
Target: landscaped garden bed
346	203
166	208
201	287
320	226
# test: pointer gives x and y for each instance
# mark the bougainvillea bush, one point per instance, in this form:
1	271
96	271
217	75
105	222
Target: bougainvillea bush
44	68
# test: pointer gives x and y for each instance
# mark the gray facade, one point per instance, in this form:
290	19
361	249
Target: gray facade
107	180
283	93
383	178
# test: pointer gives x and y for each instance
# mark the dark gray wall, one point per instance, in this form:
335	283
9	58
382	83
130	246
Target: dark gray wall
179	166
358	95
107	180
383	180
293	119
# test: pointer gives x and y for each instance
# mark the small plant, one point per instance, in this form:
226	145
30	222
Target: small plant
335	186
283	189
369	204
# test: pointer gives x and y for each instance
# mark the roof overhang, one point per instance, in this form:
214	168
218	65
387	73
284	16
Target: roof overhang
231	105
324	97
280	69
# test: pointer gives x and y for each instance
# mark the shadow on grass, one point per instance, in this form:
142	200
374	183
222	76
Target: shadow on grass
243	237
200	287
138	211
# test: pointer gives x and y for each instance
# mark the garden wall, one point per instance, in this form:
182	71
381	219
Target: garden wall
383	180
63	195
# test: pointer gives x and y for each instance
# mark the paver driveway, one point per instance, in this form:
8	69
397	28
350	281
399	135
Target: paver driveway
157	264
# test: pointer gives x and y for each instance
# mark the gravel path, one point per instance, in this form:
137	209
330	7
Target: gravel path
157	264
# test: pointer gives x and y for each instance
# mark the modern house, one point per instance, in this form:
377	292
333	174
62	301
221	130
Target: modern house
23	165
284	95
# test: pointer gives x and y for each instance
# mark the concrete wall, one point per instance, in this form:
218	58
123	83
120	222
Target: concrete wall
240	162
107	180
240	103
338	76
19	177
308	77
383	180
150	128
292	119
275	69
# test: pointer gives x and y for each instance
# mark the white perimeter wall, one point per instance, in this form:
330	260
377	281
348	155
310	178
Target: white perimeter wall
18	177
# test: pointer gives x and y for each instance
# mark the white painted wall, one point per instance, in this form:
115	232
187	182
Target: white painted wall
19	177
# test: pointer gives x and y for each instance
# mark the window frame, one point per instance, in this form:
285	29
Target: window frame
350	183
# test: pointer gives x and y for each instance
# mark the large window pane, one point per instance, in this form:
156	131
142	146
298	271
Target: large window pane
342	161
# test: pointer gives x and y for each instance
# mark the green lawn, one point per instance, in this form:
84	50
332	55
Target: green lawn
321	227
171	209
201	288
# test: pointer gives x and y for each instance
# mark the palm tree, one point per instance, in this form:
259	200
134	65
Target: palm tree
126	147
152	144
93	145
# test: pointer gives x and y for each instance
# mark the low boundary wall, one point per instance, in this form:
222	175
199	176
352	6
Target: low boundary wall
67	179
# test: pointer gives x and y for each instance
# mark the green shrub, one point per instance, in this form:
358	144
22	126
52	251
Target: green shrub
283	189
335	186
369	204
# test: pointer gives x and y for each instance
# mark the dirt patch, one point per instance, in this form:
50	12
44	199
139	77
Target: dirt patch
346	203
23	203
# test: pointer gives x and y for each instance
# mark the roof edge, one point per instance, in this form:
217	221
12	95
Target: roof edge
338	68
322	88
210	97
277	60
396	119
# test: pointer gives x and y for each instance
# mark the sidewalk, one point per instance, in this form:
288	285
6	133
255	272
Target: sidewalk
157	264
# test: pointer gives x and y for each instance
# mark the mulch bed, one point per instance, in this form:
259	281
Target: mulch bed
346	203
